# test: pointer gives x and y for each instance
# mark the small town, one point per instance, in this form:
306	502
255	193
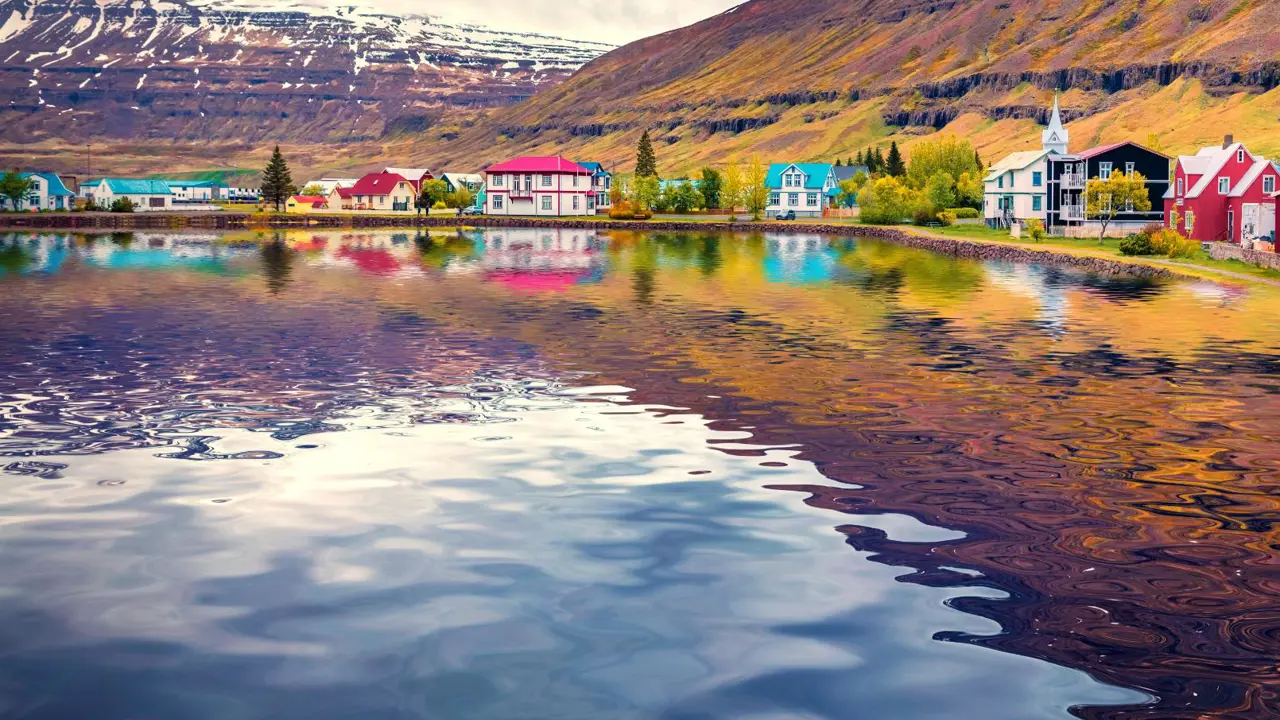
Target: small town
1156	204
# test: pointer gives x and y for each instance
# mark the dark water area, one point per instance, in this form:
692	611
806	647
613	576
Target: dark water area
569	474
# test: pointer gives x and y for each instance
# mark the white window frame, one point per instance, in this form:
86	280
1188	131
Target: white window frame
575	197
497	181
1179	187
497	202
1268	184
1190	221
546	202
1224	185
1128	169
811	199
775	198
546	180
1239	155
1104	170
793	199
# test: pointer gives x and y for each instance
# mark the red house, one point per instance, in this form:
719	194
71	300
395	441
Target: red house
1223	194
384	191
533	185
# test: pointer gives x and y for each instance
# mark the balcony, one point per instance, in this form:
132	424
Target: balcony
1073	212
525	193
1073	181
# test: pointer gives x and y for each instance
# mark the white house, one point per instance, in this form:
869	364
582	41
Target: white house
328	184
541	186
47	193
805	188
1017	187
194	191
147	195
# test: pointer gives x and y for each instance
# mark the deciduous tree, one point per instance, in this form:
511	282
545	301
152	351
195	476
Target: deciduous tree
939	190
1119	193
850	187
685	197
731	189
755	195
885	202
15	188
709	186
947	154
645	191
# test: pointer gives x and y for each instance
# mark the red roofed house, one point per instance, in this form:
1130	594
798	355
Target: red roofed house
1223	194
383	192
546	186
305	203
415	176
341	198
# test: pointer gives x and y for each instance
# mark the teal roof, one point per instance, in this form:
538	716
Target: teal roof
122	186
193	183
595	168
815	175
53	181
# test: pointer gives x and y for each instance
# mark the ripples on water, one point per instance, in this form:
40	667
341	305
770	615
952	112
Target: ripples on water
562	474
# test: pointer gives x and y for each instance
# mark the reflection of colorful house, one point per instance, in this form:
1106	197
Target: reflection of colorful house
305	203
536	261
798	259
376	261
803	188
47	192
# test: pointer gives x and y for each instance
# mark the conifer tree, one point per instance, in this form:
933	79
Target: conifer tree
977	159
646	163
277	183
879	161
838	162
858	160
894	164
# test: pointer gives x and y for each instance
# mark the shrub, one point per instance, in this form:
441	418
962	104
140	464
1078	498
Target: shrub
924	213
1137	244
122	205
1183	247
622	210
966	213
946	217
439	205
1035	230
1167	241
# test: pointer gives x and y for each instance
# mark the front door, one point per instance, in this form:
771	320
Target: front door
1231	225
1249	223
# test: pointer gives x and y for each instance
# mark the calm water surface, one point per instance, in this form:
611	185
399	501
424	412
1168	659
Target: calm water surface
562	474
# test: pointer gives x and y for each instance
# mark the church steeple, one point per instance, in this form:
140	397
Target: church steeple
1055	136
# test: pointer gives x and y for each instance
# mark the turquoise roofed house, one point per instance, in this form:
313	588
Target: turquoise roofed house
47	192
147	195
601	183
803	188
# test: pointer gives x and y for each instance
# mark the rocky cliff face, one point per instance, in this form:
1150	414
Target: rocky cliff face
207	70
808	78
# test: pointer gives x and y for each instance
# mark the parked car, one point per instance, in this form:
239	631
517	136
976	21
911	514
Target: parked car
471	210
788	215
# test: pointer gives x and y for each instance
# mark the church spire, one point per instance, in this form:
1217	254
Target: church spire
1055	136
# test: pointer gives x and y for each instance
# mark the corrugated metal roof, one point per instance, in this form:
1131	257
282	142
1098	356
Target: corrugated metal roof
815	175
538	164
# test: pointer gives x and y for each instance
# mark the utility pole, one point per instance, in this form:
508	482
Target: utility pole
88	161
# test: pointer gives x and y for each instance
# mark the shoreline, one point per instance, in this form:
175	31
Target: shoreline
968	248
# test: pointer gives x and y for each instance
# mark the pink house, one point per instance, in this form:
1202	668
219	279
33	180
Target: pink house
539	186
1223	194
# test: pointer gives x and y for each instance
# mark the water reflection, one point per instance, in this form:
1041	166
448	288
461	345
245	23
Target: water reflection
579	474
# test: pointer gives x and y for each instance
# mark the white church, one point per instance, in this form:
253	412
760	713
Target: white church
1017	187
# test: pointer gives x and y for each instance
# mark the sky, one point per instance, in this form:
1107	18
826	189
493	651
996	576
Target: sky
611	21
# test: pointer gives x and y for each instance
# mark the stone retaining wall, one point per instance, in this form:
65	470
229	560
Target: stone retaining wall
1228	251
226	221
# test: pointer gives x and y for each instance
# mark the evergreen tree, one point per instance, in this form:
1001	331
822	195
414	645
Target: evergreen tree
879	161
977	159
646	163
858	160
277	183
894	164
837	162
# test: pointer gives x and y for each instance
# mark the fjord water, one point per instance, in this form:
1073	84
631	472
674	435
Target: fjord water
569	474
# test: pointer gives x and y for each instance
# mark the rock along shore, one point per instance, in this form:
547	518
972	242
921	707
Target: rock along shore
957	247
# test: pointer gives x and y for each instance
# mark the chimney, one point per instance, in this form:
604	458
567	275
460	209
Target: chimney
1228	141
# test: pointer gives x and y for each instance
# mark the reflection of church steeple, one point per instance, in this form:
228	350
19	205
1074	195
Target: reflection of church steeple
1055	136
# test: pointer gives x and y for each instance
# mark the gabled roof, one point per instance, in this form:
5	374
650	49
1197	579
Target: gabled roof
377	184
308	199
1095	151
1251	177
846	172
122	186
344	192
411	174
538	164
467	178
52	182
1216	162
1014	161
595	168
815	174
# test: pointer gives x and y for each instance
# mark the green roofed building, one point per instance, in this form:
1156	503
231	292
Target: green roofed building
147	195
801	187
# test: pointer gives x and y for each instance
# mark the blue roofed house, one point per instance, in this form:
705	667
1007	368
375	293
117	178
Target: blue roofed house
601	182
806	188
47	192
147	195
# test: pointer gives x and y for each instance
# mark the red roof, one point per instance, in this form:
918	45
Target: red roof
381	183
308	199
344	193
538	164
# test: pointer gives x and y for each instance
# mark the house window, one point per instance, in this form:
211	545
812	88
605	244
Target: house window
575	181
1191	221
546	181
497	202
1269	184
1224	185
773	198
1128	206
575	197
793	199
156	202
1037	179
1037	203
382	199
1179	187
1240	155
497	180
1104	170
546	202
1128	169
811	200
1000	182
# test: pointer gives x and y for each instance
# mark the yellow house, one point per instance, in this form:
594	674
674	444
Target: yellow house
305	204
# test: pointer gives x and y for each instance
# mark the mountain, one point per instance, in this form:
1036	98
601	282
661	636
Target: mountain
202	70
806	80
